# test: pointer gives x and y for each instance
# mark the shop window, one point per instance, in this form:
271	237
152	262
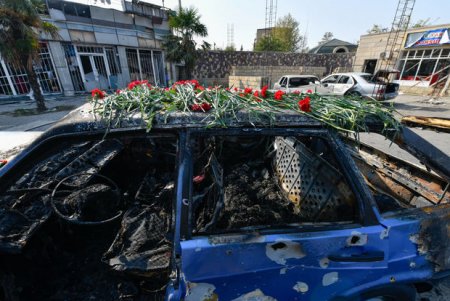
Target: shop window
426	68
445	53
435	53
411	53
410	70
419	54
75	9
55	4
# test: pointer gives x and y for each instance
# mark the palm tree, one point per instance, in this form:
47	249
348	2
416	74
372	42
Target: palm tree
180	46
20	26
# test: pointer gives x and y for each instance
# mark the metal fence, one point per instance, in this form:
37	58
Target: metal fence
14	78
146	65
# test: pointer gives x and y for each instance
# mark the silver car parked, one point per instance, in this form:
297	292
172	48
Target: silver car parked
358	84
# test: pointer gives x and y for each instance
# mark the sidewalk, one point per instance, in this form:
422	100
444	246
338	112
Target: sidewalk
19	116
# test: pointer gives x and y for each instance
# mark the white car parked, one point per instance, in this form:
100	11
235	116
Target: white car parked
350	83
358	84
301	83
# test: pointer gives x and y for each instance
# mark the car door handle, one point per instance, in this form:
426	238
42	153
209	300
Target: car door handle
364	256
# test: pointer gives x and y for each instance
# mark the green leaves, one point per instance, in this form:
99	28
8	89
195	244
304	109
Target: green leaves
342	113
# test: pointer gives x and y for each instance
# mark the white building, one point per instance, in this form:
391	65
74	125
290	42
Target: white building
103	44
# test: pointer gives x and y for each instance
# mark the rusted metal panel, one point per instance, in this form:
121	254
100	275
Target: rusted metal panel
412	184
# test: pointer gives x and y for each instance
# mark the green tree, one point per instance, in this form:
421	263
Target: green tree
376	28
20	26
285	36
269	44
230	48
288	32
180	45
326	37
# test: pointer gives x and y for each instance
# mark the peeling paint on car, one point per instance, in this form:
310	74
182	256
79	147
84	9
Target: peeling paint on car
357	239
324	262
385	233
201	292
230	239
280	251
330	278
256	295
301	287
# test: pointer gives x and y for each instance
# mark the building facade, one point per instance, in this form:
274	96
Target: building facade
102	44
423	62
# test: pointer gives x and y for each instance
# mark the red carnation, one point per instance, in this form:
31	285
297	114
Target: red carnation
304	104
296	92
256	93
97	93
279	95
309	91
206	106
133	84
236	89
196	107
248	90
264	91
201	88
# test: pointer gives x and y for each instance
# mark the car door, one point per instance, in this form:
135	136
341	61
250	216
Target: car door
328	84
281	84
344	83
314	260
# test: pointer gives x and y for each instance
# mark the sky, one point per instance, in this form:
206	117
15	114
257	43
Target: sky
346	19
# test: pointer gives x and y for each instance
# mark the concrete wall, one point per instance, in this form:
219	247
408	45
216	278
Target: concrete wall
214	67
370	48
241	82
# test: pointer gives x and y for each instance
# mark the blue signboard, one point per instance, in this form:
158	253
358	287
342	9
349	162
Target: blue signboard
428	38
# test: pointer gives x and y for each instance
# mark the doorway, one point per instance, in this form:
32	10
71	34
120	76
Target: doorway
94	71
369	66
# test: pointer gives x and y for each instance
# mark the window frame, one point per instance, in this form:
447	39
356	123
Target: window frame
366	212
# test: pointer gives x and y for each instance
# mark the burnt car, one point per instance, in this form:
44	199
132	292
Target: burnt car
291	211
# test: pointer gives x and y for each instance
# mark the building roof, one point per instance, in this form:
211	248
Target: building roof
331	45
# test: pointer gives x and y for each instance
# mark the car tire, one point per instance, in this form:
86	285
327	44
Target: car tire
389	293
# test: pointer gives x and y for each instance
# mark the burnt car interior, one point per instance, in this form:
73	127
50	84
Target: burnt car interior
94	219
90	220
248	183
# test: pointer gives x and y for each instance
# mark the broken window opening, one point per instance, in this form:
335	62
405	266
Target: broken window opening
82	256
245	183
397	184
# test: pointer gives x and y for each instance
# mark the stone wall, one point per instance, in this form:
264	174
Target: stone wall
215	67
241	82
274	73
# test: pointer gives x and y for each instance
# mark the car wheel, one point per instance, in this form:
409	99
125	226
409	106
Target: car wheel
390	293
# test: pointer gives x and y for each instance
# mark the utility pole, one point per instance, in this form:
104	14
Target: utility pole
179	4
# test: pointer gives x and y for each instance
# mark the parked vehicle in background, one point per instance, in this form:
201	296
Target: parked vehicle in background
358	84
301	83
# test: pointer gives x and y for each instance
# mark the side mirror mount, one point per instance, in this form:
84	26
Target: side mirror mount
317	82
325	85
